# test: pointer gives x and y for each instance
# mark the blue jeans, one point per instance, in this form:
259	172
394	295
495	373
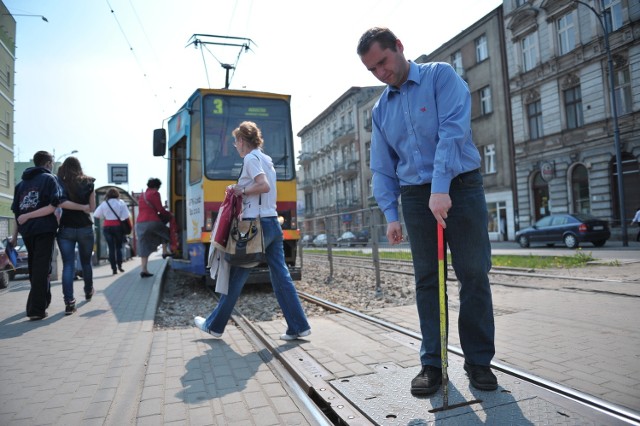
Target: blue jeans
468	240
67	239
114	237
281	282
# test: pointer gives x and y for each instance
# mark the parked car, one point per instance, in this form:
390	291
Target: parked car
567	229
307	240
350	239
321	240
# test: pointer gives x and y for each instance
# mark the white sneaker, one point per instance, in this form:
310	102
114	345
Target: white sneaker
295	336
200	321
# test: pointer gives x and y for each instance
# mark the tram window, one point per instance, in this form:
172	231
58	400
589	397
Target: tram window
222	114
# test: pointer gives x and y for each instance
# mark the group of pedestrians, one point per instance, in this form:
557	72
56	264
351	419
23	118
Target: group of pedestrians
58	207
47	207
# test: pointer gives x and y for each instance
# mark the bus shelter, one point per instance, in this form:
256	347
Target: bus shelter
129	247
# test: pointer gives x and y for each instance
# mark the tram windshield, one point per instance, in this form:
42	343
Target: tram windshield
223	113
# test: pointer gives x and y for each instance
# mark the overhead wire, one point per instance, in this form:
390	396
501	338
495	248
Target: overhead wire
153	51
135	56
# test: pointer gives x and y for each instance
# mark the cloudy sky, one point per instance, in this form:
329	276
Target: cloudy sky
100	75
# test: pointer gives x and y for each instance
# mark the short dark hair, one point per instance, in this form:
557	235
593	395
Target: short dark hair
154	183
41	158
384	36
113	193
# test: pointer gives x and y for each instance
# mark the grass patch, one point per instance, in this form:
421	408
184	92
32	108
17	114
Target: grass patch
579	259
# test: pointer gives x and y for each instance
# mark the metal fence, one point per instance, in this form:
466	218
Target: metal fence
369	222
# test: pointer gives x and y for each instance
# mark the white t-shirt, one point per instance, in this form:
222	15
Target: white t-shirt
258	205
103	210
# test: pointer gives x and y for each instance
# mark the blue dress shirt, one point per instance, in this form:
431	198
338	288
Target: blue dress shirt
421	134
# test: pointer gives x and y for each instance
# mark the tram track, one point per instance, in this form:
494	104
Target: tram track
313	392
404	267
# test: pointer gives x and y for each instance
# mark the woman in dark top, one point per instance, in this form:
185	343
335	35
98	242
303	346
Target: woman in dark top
76	227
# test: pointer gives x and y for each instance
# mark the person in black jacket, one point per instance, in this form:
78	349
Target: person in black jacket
34	202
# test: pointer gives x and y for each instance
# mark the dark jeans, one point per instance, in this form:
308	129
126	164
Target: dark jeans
468	240
40	250
67	240
114	237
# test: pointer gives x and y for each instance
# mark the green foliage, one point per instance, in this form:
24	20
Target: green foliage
529	261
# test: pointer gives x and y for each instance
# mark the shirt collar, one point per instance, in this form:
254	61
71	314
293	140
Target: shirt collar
413	76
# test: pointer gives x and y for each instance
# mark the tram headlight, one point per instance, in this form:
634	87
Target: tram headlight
280	220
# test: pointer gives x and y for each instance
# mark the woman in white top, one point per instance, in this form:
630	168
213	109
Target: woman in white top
257	184
113	210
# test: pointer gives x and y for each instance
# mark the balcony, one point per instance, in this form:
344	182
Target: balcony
347	168
305	158
344	134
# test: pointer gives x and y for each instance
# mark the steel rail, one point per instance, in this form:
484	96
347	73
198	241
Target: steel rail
590	401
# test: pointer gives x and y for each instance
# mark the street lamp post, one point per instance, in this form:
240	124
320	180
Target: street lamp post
25	14
616	129
57	160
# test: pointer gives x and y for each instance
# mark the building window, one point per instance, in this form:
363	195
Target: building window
456	63
580	189
622	84
485	100
534	118
573	107
566	34
529	52
490	158
613	13
481	49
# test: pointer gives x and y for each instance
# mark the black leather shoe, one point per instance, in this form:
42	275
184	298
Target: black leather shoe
481	377
427	381
120	269
145	274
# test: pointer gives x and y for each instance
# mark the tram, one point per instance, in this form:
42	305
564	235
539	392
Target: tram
202	162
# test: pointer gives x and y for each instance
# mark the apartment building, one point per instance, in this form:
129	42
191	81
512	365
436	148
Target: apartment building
330	180
478	55
7	71
563	119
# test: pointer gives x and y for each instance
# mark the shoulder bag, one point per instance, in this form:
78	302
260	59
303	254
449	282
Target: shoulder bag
245	246
125	224
165	217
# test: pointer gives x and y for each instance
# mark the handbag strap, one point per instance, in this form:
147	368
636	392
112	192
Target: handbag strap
260	195
114	212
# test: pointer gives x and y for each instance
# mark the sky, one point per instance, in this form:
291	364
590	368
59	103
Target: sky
101	75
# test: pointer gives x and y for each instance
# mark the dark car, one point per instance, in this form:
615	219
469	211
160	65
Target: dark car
567	229
350	239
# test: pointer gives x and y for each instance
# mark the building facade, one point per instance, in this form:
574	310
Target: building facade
332	175
562	114
478	55
7	72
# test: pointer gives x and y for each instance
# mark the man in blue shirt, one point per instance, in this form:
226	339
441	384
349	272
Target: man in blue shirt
422	152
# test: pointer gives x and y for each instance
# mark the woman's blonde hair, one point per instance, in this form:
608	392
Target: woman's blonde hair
249	132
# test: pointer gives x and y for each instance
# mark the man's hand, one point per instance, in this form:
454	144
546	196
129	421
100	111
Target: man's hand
394	233
440	205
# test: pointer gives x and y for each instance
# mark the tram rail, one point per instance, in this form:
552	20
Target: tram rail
329	405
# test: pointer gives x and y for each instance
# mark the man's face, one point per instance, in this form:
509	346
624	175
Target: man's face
386	65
